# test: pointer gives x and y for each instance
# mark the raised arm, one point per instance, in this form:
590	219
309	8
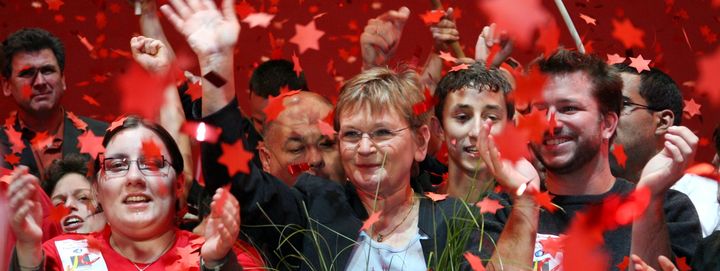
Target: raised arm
444	32
26	218
650	237
150	23
381	37
212	34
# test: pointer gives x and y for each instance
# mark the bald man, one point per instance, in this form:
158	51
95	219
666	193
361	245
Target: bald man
295	138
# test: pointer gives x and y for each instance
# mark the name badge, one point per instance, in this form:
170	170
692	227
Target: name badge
75	256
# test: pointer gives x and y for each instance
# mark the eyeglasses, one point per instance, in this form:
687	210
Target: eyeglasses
629	107
149	166
379	135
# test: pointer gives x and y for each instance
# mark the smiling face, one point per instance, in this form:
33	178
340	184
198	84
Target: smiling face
581	129
75	192
464	112
138	205
388	158
36	82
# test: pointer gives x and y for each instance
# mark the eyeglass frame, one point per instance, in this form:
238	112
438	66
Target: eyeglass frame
627	103
370	137
166	164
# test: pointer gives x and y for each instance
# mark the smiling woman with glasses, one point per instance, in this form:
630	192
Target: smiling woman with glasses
138	187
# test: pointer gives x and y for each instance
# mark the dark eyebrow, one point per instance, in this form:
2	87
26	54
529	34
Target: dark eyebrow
492	107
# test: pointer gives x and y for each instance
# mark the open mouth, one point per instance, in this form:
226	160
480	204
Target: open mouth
137	200
72	223
471	150
555	141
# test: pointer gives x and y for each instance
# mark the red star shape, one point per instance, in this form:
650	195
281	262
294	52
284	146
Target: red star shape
459	67
296	65
235	157
432	16
544	199
692	108
54	4
488	205
506	14
474	261
12	159
374	217
79	123
447	57
436	197
640	64
553	245
91	144
624	264
615	59
15	139
620	156
628	34
588	19
307	36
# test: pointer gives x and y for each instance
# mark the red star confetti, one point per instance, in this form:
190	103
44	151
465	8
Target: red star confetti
624	264
549	37
296	65
194	90
534	124
90	100
79	123
704	169
587	19
243	9
374	217
615	59
41	139
474	261
707	33
142	92
682	264
640	64
544	199
297	169
86	43
58	212
619	153
15	138
431	17
512	143
459	67
275	104
708	81
117	123
488	205
528	87
307	36
325	128
150	148
100	20
12	159
54	4
258	19
436	197
553	245
89	143
426	105
692	108
447	57
505	14
235	158
628	34
633	206
217	209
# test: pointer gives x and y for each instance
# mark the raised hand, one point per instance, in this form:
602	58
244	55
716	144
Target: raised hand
151	54
513	176
489	38
25	216
665	168
381	37
445	31
221	229
206	29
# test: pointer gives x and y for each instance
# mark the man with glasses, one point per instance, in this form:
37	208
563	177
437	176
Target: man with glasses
33	62
652	103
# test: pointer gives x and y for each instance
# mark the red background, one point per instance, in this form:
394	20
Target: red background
94	74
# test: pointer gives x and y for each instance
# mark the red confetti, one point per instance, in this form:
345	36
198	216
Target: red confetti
528	87
708	81
639	63
535	124
15	138
426	105
488	205
275	104
474	261
588	19
58	212
708	34
12	159
447	57
692	108
79	123
615	59
682	264
307	36
512	143
89	143
619	153
624	264
41	139
326	129
136	83
100	20
117	123
236	158
258	19
297	169
243	9
90	100
296	65
374	217
628	34
431	17
54	4
194	90
553	245
459	67
544	199
549	37
150	148
436	197
505	14
86	43
704	169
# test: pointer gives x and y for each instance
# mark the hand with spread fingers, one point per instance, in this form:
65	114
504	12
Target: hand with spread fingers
207	30
381	37
222	228
515	177
668	166
151	54
489	38
25	216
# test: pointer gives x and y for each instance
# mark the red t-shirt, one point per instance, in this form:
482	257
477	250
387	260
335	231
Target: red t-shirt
183	255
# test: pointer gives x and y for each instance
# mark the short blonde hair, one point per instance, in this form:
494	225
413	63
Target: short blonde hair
383	89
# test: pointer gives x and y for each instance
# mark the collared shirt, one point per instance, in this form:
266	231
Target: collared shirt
45	150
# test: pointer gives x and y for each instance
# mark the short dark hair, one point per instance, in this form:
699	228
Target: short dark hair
606	81
658	89
135	122
270	76
30	40
71	163
475	76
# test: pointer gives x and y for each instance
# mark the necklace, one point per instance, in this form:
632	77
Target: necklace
167	247
381	236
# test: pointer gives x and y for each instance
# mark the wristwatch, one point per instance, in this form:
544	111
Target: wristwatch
215	268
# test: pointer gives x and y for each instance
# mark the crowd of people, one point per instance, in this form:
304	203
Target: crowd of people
361	184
